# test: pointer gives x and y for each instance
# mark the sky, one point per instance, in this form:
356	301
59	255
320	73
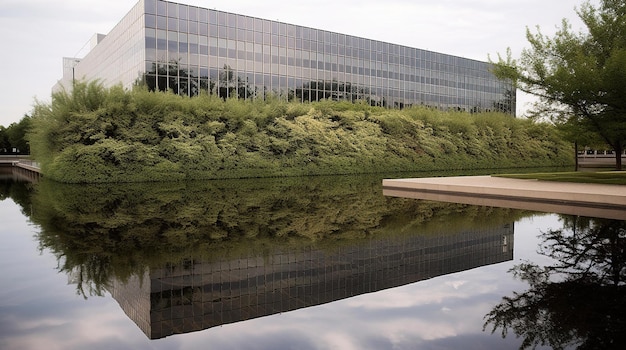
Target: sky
36	34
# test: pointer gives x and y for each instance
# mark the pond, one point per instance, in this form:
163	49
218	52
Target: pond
298	263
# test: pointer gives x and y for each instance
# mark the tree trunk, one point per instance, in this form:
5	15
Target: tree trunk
576	154
618	155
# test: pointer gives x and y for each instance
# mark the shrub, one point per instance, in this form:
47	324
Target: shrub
112	135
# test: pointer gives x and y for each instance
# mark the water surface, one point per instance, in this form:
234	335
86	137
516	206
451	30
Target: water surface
324	263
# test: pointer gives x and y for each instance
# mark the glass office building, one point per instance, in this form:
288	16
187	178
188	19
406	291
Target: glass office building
187	49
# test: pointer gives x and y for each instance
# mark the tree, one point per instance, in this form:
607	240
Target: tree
173	76
15	136
4	140
579	78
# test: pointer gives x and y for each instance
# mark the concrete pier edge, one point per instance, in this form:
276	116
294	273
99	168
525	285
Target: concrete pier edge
596	200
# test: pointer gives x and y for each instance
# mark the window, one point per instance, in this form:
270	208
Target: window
172	10
182	11
203	15
161	8
221	18
151	21
183	25
172	24
193	13
150	7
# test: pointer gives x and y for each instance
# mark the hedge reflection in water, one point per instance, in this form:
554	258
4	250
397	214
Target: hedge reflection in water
579	300
101	232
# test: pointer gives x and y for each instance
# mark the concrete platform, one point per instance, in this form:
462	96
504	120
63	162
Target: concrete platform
592	200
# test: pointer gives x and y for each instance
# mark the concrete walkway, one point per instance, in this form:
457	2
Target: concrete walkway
21	163
594	200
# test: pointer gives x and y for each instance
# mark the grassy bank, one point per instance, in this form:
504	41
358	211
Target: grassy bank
605	177
111	135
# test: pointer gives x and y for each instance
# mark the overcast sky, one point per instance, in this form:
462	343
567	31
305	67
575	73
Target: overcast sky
36	34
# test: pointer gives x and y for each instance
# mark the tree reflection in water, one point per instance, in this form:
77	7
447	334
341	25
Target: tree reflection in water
104	232
579	300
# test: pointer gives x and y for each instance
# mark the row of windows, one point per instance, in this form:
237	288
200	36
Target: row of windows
245	28
244	50
259	42
315	91
293	66
281	81
229	83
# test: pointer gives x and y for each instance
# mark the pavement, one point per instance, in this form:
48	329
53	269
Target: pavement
593	200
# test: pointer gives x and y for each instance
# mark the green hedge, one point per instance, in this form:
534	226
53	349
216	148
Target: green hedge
112	135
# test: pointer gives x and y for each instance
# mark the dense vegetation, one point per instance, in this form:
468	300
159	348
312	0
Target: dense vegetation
13	137
112	135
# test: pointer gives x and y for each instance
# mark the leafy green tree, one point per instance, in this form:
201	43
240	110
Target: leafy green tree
4	140
172	76
14	136
579	76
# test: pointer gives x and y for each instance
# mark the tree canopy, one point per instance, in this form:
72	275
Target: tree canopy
579	77
14	137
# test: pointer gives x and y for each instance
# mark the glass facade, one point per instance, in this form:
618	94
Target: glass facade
187	49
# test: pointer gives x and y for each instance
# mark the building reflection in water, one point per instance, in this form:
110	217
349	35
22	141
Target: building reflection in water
205	292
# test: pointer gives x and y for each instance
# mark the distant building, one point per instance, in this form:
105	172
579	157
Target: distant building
186	49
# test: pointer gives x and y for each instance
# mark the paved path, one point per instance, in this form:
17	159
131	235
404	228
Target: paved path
597	200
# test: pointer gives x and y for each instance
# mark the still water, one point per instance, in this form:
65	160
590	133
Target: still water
315	263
